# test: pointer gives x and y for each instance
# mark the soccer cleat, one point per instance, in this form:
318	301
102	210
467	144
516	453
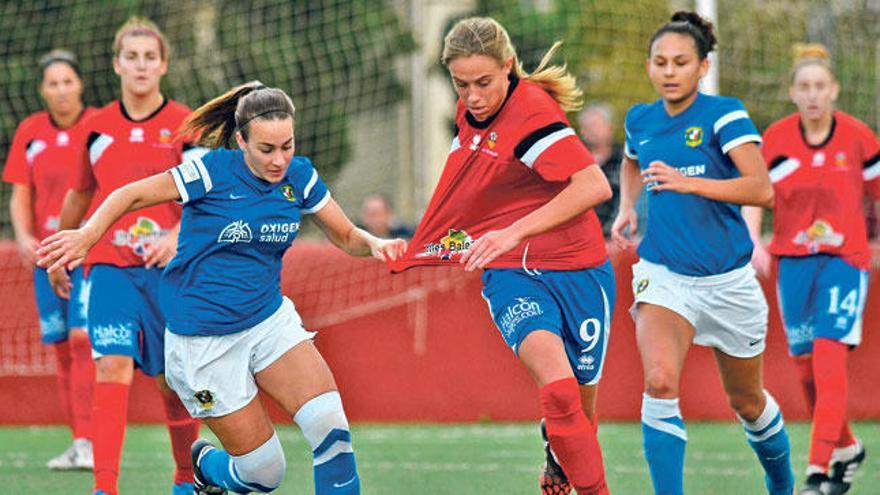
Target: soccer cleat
552	479
201	487
77	456
843	470
816	484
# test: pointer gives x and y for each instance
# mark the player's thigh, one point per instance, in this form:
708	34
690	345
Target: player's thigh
243	430
299	375
743	382
543	354
663	337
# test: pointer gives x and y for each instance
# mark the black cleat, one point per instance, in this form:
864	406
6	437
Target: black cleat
201	487
552	479
843	471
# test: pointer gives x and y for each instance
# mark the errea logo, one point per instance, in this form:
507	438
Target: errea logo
238	231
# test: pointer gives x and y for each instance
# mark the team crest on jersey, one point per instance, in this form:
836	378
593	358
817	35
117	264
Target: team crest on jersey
493	137
455	242
139	236
235	232
205	398
821	232
840	160
641	286
165	136
693	136
287	192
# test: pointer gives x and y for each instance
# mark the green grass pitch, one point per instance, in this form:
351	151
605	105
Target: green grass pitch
489	458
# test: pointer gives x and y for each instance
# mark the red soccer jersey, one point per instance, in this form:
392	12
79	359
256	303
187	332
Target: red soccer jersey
119	151
499	171
819	189
43	157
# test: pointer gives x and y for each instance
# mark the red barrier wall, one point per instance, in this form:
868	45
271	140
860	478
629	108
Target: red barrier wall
420	346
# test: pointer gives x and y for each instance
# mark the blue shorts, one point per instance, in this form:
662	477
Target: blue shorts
58	315
124	317
821	296
574	304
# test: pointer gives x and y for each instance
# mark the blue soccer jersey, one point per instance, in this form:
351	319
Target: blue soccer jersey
235	229
690	234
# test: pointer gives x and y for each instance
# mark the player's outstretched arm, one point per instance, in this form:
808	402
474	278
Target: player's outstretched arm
587	188
68	248
753	187
354	241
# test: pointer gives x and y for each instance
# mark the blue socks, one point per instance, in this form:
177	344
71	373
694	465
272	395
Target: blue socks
323	422
769	440
663	441
260	470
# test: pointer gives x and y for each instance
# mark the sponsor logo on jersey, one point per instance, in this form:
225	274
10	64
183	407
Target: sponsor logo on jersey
641	285
107	335
238	231
821	232
137	135
205	398
139	236
455	242
693	136
692	170
493	137
517	312
287	192
62	139
278	231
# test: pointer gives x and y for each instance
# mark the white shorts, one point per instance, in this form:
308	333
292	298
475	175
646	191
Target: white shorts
728	311
214	375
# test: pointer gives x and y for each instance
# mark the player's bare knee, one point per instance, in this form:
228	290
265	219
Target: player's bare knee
661	383
114	369
748	406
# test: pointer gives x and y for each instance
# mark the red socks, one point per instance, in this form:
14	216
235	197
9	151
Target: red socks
572	437
110	408
183	430
62	373
82	383
829	415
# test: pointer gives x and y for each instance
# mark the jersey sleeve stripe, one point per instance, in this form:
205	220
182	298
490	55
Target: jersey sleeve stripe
728	118
320	204
783	169
312	181
98	146
204	173
193	152
543	144
733	143
456	144
872	168
181	188
529	141
34	148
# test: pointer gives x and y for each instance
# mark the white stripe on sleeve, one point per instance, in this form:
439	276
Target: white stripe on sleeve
728	118
733	143
530	156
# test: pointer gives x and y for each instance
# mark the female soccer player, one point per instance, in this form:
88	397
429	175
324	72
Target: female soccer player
700	161
515	198
128	140
230	331
38	166
822	162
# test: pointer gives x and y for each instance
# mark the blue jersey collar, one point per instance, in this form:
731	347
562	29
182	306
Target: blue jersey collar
244	173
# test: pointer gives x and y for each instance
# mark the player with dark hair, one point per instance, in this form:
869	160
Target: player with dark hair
127	140
43	155
699	159
230	331
822	164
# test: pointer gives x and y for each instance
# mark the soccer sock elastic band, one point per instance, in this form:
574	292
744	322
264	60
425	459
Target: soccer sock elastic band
769	440
109	411
323	423
663	440
572	436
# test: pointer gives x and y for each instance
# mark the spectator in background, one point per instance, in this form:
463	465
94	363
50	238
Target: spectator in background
377	218
40	160
596	123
